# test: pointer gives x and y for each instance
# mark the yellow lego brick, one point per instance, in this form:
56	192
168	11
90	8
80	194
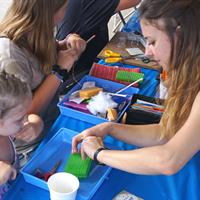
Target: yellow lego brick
112	114
88	93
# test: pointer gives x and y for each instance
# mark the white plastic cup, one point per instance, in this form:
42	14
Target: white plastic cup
63	186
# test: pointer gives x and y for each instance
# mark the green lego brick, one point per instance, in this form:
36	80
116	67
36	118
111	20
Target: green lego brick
128	76
78	167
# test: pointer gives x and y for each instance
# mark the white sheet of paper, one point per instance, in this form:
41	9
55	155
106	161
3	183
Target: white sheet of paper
134	51
124	195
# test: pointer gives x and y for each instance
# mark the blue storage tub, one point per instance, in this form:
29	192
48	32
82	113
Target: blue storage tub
148	87
108	86
59	148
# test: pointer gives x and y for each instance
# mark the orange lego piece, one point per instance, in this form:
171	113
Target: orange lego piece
112	114
88	93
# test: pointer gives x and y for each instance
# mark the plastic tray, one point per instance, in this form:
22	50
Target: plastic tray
59	147
107	86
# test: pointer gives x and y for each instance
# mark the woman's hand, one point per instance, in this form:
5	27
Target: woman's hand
72	41
7	172
90	145
32	129
100	130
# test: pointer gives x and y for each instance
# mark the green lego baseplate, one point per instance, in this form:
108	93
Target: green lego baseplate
128	76
78	167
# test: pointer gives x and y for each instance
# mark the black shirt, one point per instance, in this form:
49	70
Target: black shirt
87	18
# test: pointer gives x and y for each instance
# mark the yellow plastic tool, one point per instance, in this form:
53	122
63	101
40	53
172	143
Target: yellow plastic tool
112	57
109	53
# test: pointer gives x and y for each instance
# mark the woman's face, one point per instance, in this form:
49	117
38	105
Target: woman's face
59	15
13	121
158	46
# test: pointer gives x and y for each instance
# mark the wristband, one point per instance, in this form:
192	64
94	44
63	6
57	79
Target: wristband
96	154
61	74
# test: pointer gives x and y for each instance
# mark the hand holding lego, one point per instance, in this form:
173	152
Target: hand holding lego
100	130
6	172
31	130
90	145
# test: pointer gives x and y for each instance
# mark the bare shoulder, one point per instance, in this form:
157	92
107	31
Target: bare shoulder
198	97
192	125
196	105
186	142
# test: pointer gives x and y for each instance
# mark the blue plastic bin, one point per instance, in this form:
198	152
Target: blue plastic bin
59	148
149	85
107	86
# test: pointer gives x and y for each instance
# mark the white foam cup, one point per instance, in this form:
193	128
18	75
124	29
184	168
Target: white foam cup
63	186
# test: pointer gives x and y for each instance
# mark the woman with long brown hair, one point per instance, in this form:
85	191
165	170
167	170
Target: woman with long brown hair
171	29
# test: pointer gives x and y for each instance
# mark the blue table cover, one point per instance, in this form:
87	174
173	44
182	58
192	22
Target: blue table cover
182	186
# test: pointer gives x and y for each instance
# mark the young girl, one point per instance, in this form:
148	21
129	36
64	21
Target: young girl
28	50
174	42
15	99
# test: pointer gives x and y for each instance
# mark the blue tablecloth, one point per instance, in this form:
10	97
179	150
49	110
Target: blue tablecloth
182	186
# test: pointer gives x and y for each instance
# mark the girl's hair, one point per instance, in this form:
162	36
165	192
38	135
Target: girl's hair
182	18
29	24
12	92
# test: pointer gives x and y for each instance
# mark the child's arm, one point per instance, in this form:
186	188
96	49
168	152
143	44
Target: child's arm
46	91
32	128
7	171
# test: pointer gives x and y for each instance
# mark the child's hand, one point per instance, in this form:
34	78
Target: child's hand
6	172
31	130
72	41
66	58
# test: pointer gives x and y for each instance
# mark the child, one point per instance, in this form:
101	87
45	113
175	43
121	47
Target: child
15	99
28	50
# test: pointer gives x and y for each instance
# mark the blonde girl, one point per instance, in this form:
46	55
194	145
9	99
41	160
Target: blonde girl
29	51
15	99
28	48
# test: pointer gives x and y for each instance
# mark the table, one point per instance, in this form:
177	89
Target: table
182	186
113	45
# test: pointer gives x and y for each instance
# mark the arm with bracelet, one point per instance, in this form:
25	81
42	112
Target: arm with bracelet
65	61
61	74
